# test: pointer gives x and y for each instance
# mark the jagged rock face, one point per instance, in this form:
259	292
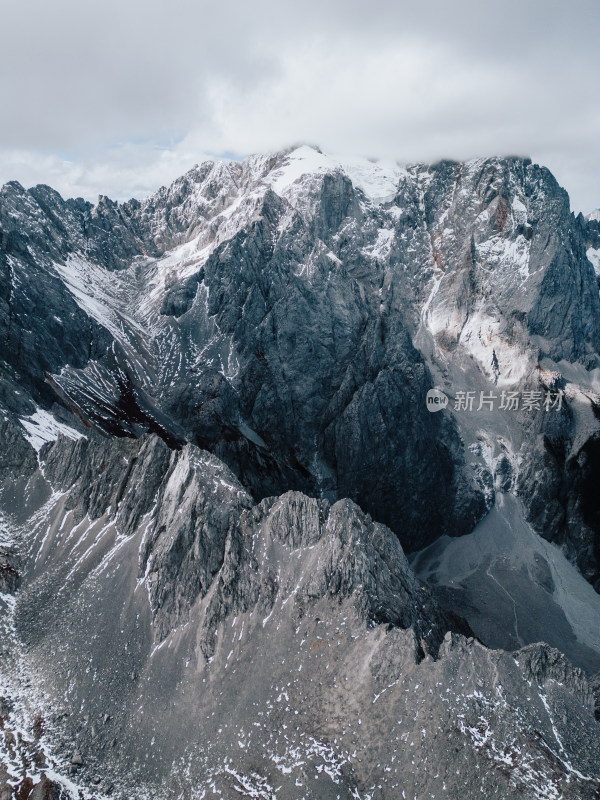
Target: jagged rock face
195	520
296	655
299	320
209	568
292	308
506	247
277	422
41	327
558	478
9	575
322	429
17	457
595	686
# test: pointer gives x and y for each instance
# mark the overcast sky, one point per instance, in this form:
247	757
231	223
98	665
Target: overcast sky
121	96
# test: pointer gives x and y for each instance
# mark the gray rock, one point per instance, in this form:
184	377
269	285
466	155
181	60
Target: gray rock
218	570
9	576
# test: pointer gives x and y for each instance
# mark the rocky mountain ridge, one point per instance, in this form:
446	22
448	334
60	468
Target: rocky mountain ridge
142	646
216	449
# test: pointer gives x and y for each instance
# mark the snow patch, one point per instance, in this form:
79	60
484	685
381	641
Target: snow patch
97	291
41	427
382	245
519	211
377	179
593	255
502	253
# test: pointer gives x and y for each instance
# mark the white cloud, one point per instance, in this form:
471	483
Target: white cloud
130	170
173	82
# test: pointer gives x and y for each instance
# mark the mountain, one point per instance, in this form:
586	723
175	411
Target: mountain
239	554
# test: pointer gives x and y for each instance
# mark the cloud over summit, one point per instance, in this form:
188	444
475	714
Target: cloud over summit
118	98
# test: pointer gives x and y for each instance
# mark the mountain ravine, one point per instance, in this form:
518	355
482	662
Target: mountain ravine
240	555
